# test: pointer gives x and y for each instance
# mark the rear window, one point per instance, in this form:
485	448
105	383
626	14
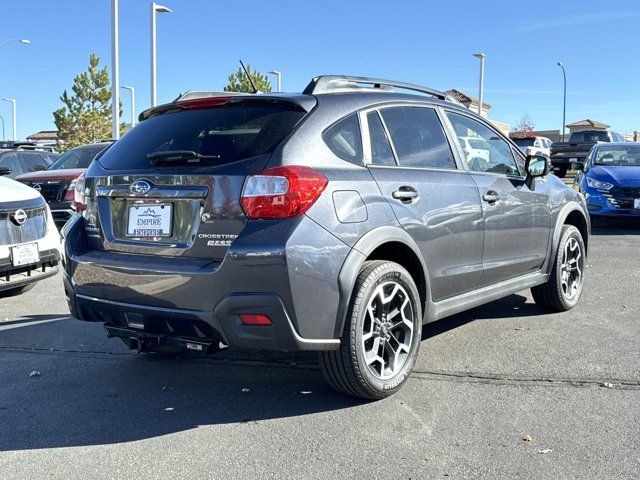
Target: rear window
589	136
524	142
79	157
226	134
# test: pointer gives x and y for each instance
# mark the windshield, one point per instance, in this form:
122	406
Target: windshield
524	142
224	134
79	157
589	136
618	156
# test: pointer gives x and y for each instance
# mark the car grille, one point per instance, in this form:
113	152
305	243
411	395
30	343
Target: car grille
34	227
52	191
623	197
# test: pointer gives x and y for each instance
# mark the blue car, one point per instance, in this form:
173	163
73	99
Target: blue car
611	180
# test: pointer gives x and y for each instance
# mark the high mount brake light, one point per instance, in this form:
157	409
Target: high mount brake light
203	102
281	192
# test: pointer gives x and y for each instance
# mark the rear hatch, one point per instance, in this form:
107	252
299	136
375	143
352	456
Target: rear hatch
172	185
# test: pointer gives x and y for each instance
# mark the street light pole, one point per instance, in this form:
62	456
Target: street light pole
159	9
13	104
278	76
115	75
3	137
480	102
564	101
133	103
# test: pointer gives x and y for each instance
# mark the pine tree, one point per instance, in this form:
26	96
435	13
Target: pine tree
238	81
86	114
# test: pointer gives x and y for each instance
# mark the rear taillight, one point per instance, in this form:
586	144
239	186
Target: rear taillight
78	194
281	192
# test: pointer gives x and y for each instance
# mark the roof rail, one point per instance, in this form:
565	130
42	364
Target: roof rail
345	83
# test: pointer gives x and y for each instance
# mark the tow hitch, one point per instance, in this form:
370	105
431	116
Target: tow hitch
149	342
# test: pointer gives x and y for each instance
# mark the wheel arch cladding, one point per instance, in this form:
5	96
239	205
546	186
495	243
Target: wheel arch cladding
571	214
383	243
578	220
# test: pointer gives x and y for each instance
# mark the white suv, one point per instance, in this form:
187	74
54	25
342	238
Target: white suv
534	145
29	241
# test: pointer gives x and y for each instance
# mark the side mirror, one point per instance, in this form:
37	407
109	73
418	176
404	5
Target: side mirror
537	166
5	171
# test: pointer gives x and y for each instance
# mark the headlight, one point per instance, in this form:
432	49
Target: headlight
593	183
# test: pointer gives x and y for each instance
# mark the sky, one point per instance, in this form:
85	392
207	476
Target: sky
425	42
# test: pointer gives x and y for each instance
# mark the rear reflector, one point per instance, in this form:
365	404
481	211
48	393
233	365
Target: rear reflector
255	319
281	192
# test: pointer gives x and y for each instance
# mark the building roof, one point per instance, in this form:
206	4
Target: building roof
588	123
44	135
466	99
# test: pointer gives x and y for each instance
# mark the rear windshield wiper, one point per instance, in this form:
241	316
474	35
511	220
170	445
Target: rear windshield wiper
177	156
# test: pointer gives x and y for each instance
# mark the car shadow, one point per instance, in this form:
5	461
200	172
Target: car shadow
103	396
509	307
615	227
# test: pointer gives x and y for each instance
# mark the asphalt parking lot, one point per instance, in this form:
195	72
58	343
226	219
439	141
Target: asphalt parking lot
74	404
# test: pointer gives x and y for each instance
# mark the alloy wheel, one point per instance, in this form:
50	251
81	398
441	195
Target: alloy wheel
571	270
387	330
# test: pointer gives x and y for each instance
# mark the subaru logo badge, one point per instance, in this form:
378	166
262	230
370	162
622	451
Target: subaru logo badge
140	187
37	186
19	217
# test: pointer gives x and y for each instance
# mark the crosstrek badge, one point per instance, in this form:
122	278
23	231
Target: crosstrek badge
218	239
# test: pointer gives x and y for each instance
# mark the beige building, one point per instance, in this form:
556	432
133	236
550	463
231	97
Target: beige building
586	124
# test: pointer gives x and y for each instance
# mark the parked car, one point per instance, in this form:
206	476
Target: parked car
534	145
18	161
29	241
57	183
610	180
565	155
337	220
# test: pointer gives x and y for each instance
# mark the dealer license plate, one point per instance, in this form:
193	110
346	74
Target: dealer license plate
149	220
26	254
636	203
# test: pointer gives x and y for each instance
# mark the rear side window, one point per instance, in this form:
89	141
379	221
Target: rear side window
344	139
32	162
226	133
418	137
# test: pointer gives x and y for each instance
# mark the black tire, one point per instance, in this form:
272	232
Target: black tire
345	369
551	295
17	291
562	172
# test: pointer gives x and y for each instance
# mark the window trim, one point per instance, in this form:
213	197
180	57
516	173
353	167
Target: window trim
366	138
452	132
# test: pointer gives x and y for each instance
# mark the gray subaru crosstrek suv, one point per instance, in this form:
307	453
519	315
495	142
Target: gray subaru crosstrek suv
338	220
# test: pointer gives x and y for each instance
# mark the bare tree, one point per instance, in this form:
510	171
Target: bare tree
524	128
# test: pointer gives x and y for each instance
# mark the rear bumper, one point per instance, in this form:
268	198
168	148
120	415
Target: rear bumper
181	327
279	275
566	161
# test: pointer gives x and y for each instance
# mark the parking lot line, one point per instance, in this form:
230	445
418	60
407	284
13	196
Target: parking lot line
20	324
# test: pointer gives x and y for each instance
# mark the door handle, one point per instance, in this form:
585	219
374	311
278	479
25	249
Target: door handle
405	194
491	197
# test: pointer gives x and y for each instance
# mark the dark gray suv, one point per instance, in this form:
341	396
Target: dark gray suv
338	220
